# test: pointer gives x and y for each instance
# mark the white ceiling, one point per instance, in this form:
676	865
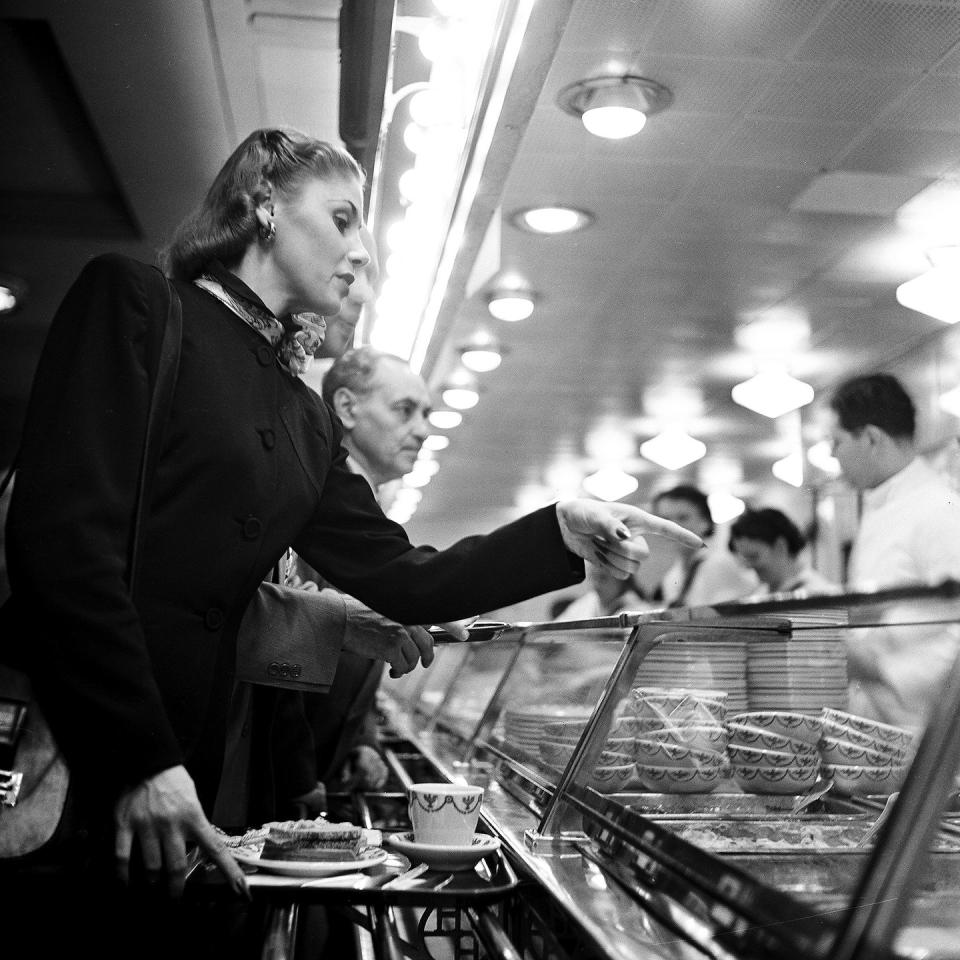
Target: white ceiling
797	128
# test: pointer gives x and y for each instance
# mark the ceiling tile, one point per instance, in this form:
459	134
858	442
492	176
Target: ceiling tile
883	34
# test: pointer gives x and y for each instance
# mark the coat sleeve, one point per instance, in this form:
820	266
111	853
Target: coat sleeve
353	545
70	521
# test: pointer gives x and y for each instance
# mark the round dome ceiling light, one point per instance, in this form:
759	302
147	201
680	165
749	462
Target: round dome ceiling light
614	107
12	292
551	220
511	306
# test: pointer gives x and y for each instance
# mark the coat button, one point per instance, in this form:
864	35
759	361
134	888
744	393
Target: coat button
213	619
265	355
268	438
252	528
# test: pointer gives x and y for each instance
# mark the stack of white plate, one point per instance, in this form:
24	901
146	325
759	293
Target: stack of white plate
802	672
523	726
701	664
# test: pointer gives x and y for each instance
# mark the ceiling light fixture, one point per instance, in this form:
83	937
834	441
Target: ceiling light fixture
435	442
461	391
789	469
12	292
511	305
821	456
950	402
772	393
936	292
551	220
613	106
673	449
482	353
724	507
610	483
445	419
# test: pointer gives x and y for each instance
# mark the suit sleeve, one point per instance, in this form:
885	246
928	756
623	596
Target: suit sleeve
363	553
70	520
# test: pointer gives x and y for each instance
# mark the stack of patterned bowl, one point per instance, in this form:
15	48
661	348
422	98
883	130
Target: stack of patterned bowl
774	751
615	770
681	744
862	756
523	727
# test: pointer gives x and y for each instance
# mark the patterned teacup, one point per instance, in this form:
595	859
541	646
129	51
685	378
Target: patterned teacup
444	813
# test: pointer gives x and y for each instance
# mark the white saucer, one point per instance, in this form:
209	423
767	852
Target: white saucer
369	857
441	857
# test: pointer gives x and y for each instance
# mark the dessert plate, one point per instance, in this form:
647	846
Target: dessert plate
441	857
369	857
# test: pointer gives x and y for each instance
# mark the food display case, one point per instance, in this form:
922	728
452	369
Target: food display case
693	782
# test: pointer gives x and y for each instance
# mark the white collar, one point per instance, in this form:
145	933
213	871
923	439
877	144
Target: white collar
892	488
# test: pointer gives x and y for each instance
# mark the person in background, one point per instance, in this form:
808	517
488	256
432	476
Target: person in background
606	597
700	576
909	533
768	542
383	406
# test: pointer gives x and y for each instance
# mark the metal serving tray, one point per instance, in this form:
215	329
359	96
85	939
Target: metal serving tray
728	805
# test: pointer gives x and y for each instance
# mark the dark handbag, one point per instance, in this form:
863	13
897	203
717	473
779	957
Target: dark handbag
34	777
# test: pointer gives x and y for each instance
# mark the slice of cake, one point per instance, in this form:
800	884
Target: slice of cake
313	840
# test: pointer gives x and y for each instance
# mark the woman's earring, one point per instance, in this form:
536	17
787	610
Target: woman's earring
268	232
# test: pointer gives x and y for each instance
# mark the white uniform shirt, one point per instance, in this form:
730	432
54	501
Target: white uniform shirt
909	534
909	531
719	578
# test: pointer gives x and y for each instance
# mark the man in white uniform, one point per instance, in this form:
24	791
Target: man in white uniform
909	534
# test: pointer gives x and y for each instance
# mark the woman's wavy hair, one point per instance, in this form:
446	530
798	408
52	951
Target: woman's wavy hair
269	161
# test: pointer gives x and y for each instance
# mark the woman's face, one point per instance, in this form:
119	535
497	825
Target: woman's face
318	250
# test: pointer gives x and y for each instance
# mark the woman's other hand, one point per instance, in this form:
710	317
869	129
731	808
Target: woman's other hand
612	534
163	814
364	769
369	634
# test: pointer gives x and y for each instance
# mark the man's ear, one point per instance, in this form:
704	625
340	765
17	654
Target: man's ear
344	404
876	437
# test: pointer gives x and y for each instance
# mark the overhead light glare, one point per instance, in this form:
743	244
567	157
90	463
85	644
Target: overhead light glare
435	442
511	307
936	292
610	484
614	106
551	220
673	449
445	419
724	507
789	469
12	293
460	398
772	393
822	458
950	402
481	360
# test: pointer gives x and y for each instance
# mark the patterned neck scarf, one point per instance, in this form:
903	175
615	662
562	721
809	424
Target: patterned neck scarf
295	340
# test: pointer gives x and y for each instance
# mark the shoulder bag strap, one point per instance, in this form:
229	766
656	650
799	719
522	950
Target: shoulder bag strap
158	413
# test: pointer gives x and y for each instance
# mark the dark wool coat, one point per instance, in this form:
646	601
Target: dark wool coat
251	463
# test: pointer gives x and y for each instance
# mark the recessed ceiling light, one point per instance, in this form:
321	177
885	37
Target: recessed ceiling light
436	441
673	449
772	393
550	220
12	292
614	106
445	419
511	305
610	483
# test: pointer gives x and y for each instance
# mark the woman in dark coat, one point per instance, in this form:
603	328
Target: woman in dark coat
137	691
